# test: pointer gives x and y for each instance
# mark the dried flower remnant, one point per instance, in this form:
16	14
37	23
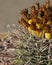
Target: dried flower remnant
40	17
23	23
24	14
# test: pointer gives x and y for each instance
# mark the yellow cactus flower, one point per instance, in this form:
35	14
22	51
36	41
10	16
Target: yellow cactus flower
30	21
30	30
47	35
39	21
38	33
38	25
39	17
47	4
49	22
37	6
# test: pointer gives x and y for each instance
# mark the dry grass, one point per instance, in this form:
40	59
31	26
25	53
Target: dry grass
3	35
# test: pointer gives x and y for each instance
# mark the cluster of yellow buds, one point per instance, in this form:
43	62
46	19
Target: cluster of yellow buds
39	20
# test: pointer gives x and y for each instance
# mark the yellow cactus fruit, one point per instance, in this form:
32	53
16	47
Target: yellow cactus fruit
47	35
30	21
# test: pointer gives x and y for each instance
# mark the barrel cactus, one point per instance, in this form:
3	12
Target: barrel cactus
35	39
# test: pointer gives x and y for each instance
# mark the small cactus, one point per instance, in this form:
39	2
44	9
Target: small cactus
36	43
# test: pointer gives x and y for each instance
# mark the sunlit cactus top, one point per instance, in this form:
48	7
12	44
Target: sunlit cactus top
38	20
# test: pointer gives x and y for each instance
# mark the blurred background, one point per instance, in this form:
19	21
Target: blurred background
10	11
